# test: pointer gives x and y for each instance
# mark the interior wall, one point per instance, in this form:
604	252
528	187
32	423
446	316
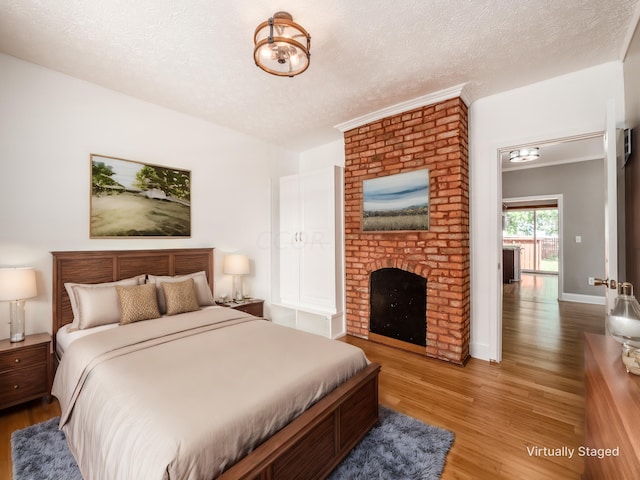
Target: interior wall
49	125
560	107
632	169
582	186
323	156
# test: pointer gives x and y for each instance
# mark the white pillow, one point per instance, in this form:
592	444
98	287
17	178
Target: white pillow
96	304
203	292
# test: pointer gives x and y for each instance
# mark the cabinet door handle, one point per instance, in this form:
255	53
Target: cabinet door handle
17	360
15	387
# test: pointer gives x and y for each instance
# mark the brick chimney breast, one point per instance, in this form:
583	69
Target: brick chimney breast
433	137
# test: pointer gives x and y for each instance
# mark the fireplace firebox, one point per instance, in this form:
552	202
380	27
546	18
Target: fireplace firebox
398	305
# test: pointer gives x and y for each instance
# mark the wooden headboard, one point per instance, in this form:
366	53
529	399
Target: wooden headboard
97	266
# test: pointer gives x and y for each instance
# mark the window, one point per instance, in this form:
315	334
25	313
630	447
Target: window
535	230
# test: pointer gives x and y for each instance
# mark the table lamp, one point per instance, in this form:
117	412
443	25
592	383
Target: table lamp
236	265
17	284
624	326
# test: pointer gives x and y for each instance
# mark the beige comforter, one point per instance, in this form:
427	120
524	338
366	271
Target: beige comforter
184	397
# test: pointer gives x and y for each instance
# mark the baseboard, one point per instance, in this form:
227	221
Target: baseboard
480	351
578	298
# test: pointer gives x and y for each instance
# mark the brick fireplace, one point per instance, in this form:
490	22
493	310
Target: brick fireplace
433	137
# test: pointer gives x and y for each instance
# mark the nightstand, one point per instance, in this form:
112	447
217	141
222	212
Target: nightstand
252	306
25	369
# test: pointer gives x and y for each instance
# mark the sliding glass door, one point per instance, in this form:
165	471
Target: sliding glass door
535	231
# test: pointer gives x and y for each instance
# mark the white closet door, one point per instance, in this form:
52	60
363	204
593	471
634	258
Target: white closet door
317	262
290	245
318	206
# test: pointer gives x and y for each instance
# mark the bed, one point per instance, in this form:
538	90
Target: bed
311	436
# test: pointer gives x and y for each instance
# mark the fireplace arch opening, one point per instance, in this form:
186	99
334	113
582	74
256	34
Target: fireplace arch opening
398	305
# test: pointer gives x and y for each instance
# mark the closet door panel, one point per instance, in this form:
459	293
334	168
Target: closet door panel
289	243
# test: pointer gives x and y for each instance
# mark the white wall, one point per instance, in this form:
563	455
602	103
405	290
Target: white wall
323	156
49	125
563	106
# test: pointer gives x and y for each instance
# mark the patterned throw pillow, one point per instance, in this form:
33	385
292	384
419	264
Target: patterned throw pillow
203	290
180	296
137	303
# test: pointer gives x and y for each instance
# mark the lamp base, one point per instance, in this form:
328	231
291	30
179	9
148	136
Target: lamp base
631	359
16	323
237	288
18	337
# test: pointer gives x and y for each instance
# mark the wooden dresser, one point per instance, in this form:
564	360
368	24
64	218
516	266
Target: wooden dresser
612	411
25	369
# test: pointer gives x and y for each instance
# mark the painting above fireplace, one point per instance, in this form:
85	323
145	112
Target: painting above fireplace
396	202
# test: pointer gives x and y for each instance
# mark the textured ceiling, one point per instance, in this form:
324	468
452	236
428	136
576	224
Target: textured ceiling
196	56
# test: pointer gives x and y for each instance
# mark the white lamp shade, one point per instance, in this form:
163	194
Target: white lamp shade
17	283
236	265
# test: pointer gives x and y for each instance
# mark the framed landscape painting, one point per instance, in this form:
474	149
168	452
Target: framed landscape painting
134	199
396	202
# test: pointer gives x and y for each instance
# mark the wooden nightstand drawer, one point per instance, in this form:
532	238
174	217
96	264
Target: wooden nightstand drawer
25	369
252	307
24	357
23	383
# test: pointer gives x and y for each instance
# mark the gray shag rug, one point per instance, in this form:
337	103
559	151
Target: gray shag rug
397	448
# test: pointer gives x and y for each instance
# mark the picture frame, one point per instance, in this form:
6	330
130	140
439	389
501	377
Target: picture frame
130	199
397	202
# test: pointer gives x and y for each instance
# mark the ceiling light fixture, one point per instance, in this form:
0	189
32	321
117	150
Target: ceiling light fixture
524	155
282	46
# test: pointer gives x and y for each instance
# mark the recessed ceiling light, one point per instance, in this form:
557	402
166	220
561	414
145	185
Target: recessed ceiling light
524	155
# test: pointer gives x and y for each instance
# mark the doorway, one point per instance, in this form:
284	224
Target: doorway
535	224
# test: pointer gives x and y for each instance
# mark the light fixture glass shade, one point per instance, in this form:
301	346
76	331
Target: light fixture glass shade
16	284
524	155
623	324
282	47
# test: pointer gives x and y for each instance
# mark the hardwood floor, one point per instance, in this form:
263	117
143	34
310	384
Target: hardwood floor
534	398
